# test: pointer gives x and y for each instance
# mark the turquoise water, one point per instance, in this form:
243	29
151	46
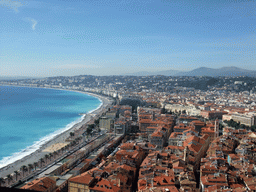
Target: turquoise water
30	117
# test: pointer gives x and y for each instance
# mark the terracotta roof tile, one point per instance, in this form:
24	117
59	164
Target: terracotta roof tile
41	184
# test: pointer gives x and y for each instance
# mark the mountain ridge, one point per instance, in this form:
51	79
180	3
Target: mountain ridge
201	71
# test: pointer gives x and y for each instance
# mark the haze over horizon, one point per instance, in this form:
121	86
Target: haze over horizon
105	37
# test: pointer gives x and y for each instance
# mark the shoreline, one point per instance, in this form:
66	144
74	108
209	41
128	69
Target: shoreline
60	137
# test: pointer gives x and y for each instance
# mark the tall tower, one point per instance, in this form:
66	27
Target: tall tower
185	153
216	129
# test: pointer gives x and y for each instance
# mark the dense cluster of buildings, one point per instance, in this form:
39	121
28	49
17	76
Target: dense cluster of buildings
228	166
217	101
115	173
171	138
166	153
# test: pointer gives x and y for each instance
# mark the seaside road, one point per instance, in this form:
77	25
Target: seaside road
42	172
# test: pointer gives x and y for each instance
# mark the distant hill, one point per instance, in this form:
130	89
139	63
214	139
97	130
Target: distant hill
202	71
146	73
224	71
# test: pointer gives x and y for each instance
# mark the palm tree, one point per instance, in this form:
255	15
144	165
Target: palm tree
41	161
77	139
30	166
80	138
54	154
23	169
9	177
1	181
16	174
46	157
73	143
50	155
35	164
63	149
72	134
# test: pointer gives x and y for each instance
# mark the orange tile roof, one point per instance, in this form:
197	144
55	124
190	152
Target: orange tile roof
181	148
127	168
207	130
105	185
219	179
112	166
157	134
41	184
197	122
194	148
84	178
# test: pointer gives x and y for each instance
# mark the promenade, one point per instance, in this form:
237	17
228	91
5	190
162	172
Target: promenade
42	158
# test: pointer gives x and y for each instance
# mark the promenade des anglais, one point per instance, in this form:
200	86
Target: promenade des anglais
151	133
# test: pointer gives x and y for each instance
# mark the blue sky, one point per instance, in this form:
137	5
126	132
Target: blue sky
109	37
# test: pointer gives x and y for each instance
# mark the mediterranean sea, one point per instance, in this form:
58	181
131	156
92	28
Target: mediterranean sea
29	117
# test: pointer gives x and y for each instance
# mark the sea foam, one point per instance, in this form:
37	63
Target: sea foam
23	98
38	144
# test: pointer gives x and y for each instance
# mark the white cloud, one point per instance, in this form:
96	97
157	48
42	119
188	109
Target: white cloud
14	5
32	21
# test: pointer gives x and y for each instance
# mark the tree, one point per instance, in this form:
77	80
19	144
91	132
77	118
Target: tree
64	148
88	130
163	110
1	181
67	147
54	154
234	124
253	128
9	178
50	156
23	169
30	167
16	174
97	121
46	157
72	134
91	126
41	160
73	143
35	164
221	126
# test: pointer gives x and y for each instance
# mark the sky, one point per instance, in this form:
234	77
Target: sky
115	37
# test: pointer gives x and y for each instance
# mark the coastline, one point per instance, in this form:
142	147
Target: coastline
60	137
